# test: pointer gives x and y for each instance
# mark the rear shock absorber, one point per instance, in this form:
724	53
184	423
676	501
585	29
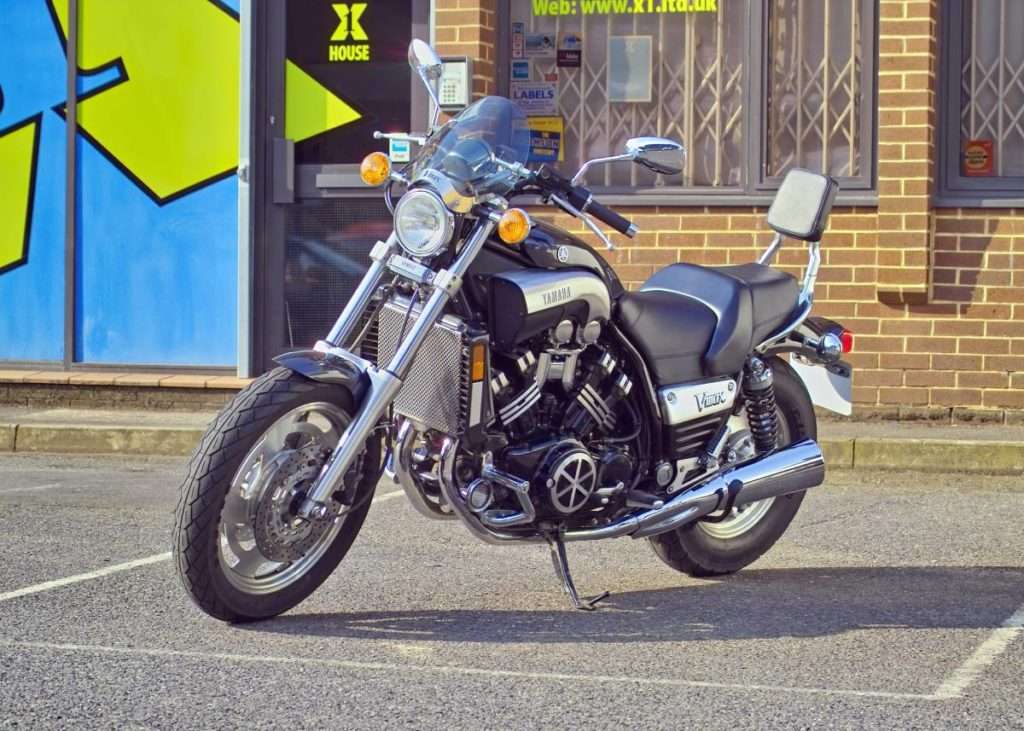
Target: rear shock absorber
759	394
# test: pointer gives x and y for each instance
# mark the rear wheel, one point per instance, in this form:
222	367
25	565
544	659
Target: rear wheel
241	552
712	549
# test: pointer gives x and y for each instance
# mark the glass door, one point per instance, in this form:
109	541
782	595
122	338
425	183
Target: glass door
335	73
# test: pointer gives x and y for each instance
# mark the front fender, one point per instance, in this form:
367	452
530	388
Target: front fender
331	368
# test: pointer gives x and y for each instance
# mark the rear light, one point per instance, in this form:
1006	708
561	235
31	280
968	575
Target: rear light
846	338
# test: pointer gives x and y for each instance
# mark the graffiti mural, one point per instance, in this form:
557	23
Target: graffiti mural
155	194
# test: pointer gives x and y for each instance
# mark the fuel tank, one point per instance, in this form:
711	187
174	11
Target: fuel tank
523	287
526	302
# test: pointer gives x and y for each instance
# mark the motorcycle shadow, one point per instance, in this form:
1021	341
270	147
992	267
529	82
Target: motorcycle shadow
753	604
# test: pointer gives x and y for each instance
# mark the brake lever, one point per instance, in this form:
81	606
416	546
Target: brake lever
587	220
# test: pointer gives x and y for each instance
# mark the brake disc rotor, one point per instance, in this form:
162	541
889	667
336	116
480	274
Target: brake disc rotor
280	536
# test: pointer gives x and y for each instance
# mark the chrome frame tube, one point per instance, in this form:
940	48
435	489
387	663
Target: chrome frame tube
386	382
354	308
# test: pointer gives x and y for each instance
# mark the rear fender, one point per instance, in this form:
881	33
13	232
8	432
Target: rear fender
334	366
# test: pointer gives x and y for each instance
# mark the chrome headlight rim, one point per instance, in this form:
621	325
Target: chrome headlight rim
440	237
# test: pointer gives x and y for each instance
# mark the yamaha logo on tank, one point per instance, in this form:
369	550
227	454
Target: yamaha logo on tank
556	296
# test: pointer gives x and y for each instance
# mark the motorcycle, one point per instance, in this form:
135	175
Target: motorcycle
517	387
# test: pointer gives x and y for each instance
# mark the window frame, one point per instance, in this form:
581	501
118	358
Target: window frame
758	188
953	188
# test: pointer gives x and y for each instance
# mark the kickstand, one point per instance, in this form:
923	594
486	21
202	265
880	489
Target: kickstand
561	562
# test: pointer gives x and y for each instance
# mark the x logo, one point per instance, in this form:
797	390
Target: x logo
348	25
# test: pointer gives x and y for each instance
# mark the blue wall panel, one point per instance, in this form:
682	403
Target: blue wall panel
32	78
156	284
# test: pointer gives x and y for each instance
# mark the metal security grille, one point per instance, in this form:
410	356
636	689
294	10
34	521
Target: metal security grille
697	91
328	242
814	102
992	80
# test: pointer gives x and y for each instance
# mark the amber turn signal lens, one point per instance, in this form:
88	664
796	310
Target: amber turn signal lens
478	359
514	226
375	168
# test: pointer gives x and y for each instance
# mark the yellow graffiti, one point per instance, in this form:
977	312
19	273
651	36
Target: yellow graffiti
17	148
172	124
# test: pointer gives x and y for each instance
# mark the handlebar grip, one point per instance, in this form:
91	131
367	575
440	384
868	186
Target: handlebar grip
603	213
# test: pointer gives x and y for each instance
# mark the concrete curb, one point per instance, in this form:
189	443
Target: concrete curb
928	455
74	439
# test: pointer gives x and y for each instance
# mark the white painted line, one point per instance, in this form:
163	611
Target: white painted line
116	568
987	653
48	486
77	578
456	670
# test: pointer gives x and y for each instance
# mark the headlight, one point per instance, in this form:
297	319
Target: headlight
423	223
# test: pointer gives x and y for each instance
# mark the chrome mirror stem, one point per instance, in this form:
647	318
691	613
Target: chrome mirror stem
600	161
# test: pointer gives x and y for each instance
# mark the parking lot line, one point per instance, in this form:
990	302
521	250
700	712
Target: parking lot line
88	576
116	568
987	653
457	670
48	486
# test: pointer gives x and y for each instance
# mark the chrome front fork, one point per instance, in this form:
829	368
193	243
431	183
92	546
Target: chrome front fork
385	382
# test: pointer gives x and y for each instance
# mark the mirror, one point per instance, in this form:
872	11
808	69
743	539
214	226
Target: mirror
657	153
428	65
424	61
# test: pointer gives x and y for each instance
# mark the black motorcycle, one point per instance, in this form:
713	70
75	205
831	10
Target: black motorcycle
506	378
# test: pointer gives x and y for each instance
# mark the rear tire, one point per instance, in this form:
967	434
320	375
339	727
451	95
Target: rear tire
693	551
211	474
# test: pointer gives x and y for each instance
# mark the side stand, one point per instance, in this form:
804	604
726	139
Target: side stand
561	563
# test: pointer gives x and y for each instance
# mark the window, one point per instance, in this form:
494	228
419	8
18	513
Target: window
751	87
983	115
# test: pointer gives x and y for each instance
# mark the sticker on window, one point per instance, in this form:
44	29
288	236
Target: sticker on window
546	139
979	158
537	97
540	45
570	50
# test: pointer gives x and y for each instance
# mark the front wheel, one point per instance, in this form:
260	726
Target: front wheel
713	549
239	549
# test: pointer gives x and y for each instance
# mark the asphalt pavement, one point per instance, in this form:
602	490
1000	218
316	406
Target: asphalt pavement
896	600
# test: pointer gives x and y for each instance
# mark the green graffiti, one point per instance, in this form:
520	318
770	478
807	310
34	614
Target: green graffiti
171	124
19	147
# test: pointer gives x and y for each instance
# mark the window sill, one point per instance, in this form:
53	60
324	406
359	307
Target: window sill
868	199
962	200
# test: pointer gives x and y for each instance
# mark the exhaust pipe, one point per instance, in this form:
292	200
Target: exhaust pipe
795	468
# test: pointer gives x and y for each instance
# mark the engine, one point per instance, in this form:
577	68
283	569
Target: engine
562	411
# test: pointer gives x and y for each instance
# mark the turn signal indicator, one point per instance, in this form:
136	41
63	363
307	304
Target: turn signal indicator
375	169
514	226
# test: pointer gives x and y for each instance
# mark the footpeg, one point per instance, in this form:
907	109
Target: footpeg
561	564
641	499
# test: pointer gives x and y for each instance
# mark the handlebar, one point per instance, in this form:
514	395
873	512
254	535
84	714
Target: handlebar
603	213
583	200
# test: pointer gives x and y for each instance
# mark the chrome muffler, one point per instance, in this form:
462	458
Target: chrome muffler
795	468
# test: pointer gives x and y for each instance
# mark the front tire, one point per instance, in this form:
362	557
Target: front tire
715	549
234	502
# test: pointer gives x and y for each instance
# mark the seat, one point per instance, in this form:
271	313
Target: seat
691	321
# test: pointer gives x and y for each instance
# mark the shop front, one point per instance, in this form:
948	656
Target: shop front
187	199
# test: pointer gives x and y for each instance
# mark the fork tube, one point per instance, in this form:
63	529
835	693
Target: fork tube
349	317
384	383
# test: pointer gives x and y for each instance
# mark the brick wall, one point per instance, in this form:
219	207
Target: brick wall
935	295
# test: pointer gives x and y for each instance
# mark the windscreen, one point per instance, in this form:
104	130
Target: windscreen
464	148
